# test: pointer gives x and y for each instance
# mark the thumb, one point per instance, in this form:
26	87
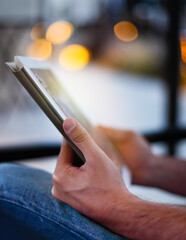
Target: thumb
80	137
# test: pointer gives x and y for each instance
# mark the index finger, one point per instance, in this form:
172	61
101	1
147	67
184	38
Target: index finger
66	155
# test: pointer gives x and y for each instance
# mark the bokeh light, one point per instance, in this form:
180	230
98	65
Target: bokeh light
74	57
59	32
38	31
183	49
126	31
40	48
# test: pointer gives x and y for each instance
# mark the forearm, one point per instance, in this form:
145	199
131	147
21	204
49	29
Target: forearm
143	220
167	173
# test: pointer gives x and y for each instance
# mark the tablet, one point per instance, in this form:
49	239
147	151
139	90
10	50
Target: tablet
38	79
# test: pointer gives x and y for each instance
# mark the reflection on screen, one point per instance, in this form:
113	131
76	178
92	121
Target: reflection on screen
68	107
60	96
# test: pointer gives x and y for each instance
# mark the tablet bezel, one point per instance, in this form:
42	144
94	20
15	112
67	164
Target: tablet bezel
27	64
22	68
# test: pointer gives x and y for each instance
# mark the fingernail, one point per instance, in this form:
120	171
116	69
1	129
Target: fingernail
69	124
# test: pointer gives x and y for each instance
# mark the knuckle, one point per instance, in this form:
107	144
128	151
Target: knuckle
57	179
60	182
54	193
82	137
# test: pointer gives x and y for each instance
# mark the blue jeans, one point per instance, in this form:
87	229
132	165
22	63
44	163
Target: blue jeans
28	211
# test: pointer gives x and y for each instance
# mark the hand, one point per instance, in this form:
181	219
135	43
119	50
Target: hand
135	152
102	141
94	189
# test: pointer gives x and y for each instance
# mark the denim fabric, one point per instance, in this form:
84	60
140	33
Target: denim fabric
28	210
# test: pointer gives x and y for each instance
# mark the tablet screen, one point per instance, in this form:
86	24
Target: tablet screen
68	107
60	96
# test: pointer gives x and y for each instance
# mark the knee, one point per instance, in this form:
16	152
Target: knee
17	179
6	170
4	167
7	175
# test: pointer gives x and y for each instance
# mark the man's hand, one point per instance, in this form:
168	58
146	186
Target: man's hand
135	151
96	188
147	169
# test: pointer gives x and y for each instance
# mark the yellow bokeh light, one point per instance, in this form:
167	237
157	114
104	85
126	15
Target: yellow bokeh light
38	31
126	31
183	49
74	57
40	48
59	32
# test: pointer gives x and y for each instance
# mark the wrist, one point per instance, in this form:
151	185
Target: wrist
119	218
118	204
145	175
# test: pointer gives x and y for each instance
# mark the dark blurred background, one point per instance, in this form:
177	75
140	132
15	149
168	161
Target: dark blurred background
141	44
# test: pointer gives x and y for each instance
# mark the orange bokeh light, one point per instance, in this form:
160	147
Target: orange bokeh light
59	32
126	31
74	57
40	48
183	49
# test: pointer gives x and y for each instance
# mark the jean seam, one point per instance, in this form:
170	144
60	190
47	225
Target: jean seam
64	224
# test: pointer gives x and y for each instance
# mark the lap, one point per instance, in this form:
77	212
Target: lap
27	206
